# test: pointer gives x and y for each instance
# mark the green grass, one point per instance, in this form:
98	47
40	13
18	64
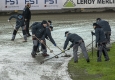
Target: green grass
94	70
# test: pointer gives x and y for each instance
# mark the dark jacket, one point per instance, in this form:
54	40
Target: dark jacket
100	36
74	38
27	13
35	23
19	22
105	25
47	32
48	35
39	31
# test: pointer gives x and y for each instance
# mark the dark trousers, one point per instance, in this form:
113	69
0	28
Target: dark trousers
43	47
23	31
108	34
102	49
83	48
35	46
27	27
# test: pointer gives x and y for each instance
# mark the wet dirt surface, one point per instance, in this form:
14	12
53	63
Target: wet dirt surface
16	62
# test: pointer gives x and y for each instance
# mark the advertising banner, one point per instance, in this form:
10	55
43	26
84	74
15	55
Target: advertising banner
51	4
88	3
35	4
12	4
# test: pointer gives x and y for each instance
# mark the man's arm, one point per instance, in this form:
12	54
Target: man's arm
50	36
13	16
66	43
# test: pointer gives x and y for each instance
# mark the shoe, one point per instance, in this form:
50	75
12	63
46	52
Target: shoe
108	49
45	54
38	50
98	60
88	60
12	39
33	55
28	35
25	41
75	61
106	59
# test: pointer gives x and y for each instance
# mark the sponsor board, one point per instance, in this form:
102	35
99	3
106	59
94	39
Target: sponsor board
52	4
88	3
35	4
12	4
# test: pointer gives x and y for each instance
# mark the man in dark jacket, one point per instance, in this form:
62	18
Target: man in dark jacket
38	31
27	17
101	42
106	27
76	42
19	23
47	36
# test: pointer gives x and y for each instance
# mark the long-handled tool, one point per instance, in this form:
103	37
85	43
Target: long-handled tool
49	58
66	55
15	29
92	46
51	51
90	43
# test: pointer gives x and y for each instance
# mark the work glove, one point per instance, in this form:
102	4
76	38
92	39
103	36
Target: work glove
46	37
92	33
55	45
8	20
33	35
68	48
42	41
63	51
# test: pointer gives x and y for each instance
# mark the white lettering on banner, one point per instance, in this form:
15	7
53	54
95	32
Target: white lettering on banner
85	1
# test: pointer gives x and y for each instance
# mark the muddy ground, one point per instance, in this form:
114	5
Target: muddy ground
16	62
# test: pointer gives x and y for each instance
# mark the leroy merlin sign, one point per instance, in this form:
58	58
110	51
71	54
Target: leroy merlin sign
88	3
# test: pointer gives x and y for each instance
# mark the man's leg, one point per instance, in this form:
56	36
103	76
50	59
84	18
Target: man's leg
24	34
44	49
27	28
84	51
107	34
75	56
99	52
35	43
14	33
105	53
